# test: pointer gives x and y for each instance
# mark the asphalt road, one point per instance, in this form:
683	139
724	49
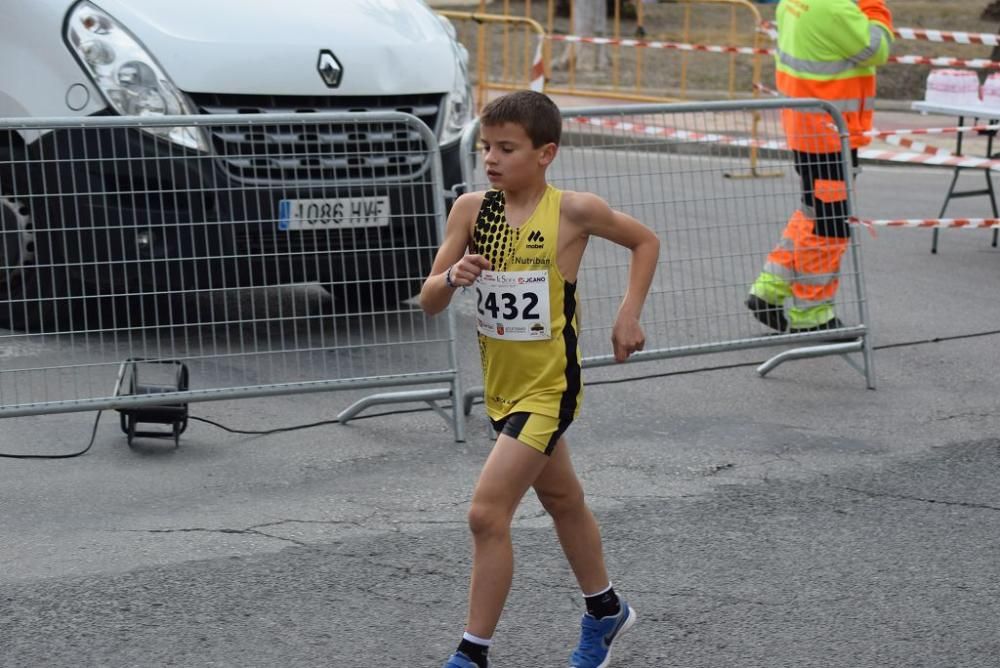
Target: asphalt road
794	520
883	564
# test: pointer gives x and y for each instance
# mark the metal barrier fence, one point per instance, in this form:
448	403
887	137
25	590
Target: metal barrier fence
667	165
507	54
520	42
267	253
653	53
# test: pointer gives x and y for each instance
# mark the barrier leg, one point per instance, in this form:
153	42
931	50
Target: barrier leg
817	351
428	396
469	398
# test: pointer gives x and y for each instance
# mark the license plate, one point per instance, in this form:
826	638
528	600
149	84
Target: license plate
333	214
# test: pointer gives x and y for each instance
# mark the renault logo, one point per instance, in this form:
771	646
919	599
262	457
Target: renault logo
329	68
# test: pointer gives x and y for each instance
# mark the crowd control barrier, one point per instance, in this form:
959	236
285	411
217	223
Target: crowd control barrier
666	165
708	49
506	52
266	252
644	53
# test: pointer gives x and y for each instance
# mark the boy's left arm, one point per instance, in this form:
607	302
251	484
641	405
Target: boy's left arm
598	219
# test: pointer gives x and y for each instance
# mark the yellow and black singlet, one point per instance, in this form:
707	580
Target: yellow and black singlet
526	313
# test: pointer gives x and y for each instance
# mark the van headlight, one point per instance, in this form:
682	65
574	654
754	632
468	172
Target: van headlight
128	76
458	106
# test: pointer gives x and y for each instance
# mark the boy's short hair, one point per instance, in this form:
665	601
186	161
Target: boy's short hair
535	112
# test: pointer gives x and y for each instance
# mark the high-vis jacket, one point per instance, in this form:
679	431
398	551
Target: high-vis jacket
828	49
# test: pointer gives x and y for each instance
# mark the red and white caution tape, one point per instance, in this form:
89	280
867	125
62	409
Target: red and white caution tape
917	34
675	46
927	158
944	36
975	64
940	159
537	75
916	146
963	223
919	153
675	133
936	61
932	131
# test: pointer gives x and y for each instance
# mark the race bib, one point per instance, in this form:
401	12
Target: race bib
513	305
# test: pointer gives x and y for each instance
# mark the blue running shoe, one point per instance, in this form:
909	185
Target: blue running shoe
460	660
596	636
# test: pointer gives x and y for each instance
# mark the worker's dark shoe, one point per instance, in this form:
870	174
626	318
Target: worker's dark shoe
833	323
769	314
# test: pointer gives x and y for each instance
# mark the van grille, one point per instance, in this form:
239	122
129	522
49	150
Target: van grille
319	152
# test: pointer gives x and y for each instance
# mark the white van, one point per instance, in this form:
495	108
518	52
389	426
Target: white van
151	58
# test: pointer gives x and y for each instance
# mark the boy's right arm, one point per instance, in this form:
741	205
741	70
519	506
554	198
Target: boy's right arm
451	262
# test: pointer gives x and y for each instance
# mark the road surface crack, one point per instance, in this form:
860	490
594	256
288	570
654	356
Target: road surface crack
920	499
245	532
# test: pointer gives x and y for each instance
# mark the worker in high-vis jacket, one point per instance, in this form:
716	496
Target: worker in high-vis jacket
827	49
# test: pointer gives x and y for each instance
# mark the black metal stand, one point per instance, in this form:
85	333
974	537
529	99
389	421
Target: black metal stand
952	193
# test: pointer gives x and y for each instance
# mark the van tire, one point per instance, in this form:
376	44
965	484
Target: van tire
29	290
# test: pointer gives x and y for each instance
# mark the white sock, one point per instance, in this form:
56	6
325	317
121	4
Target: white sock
603	591
485	642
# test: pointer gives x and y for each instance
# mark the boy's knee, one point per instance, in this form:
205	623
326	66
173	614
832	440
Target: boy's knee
563	502
486	520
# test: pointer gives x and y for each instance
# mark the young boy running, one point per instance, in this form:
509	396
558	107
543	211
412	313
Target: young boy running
519	245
